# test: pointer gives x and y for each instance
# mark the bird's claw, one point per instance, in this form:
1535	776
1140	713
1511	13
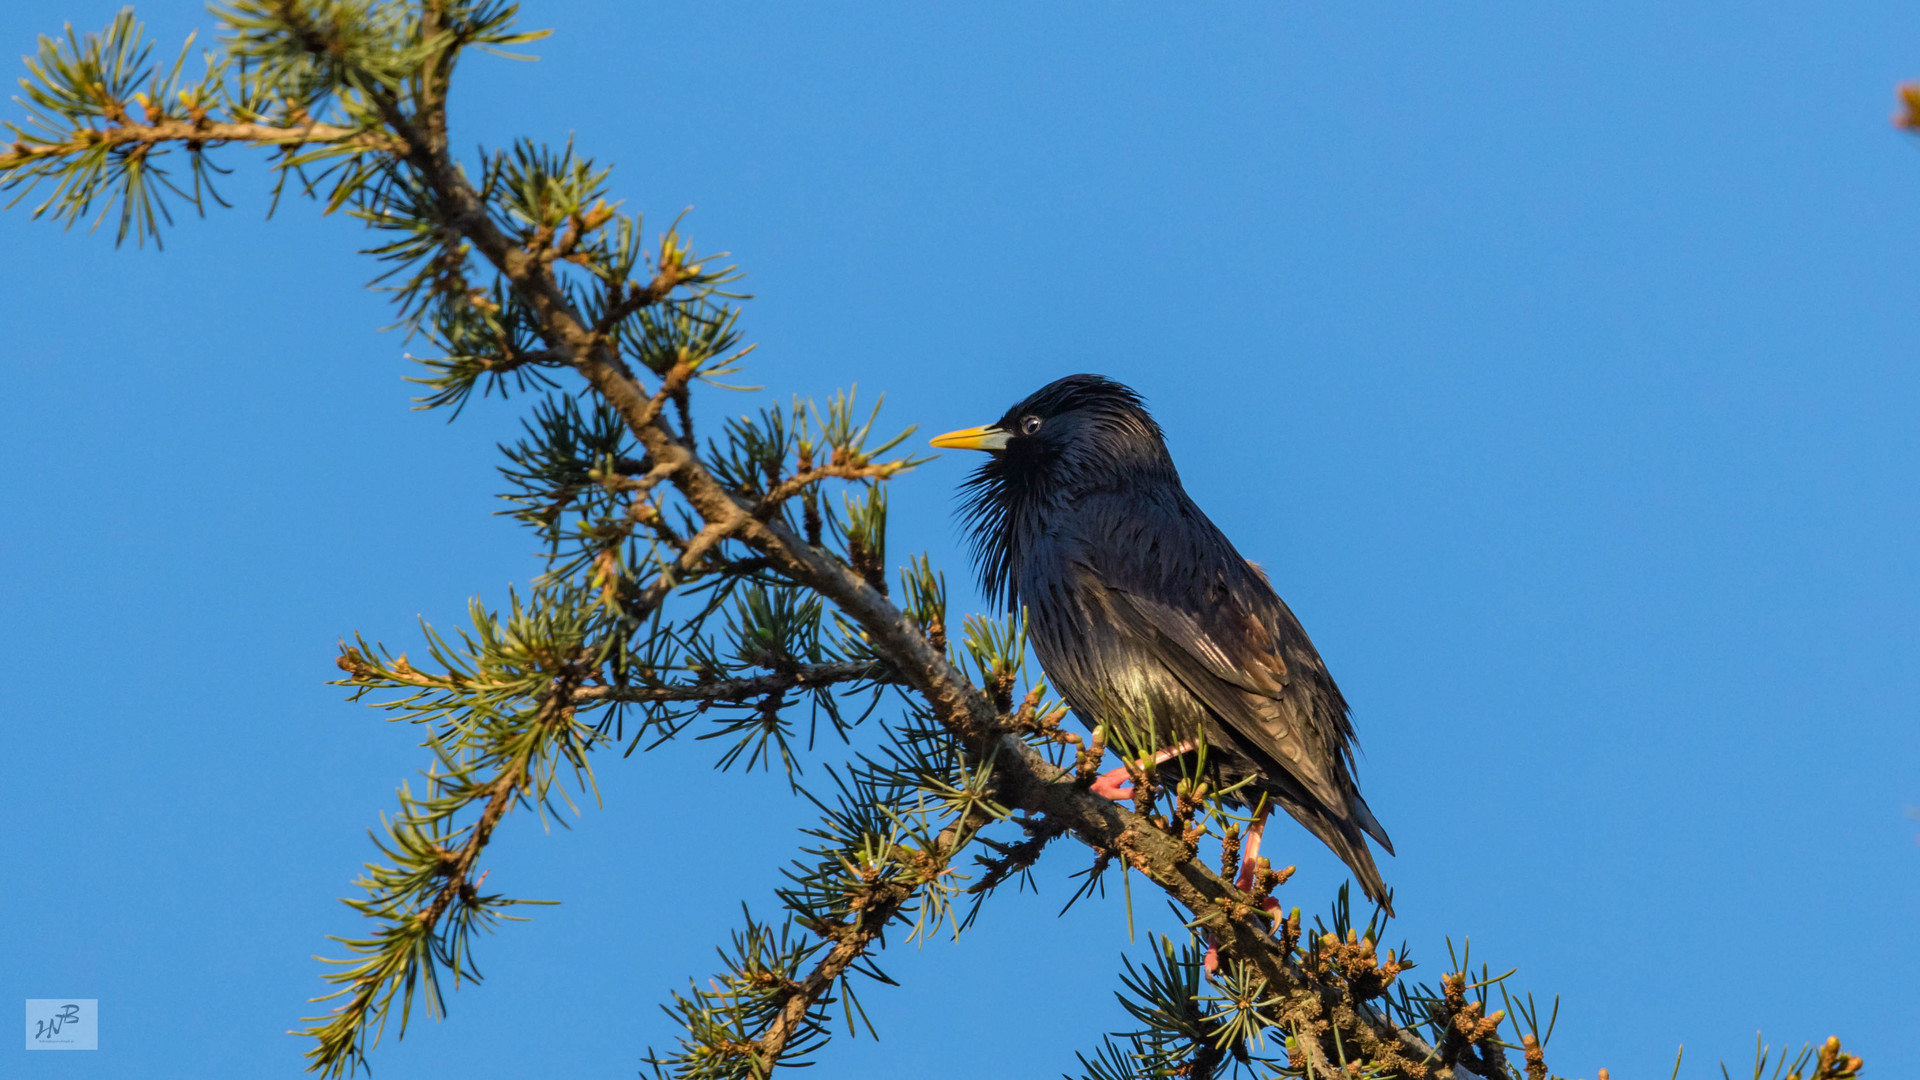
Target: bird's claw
1115	784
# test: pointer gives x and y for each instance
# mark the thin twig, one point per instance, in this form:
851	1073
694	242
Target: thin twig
810	676
200	133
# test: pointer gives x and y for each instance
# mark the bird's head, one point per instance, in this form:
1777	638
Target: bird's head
1080	430
1072	437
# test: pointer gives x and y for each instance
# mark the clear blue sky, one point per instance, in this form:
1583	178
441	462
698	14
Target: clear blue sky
1558	362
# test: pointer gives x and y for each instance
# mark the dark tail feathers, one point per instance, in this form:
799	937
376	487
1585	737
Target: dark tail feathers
1347	837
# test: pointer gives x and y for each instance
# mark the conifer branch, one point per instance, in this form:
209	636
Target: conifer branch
195	135
854	938
850	943
432	876
806	478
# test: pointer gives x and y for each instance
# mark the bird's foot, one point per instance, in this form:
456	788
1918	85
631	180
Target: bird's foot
1117	784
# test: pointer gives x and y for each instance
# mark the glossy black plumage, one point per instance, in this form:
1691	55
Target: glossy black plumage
1143	613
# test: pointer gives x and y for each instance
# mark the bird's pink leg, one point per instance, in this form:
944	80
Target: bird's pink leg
1250	860
1250	851
1117	785
1249	865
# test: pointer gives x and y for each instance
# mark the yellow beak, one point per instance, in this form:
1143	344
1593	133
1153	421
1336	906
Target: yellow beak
974	438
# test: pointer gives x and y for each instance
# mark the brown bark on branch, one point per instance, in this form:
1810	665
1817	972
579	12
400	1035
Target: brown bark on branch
200	133
795	484
852	939
850	942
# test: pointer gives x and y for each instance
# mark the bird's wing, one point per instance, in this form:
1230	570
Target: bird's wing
1241	653
1230	663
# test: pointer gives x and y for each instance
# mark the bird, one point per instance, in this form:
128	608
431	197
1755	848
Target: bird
1148	621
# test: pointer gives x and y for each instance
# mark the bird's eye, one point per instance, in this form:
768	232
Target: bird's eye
1029	425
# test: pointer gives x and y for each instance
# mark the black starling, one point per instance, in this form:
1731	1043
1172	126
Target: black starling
1146	618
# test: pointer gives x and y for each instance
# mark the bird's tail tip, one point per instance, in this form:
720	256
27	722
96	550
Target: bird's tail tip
1353	851
1376	889
1363	816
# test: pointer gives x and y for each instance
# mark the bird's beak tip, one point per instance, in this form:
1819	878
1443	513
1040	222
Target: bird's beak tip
976	438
